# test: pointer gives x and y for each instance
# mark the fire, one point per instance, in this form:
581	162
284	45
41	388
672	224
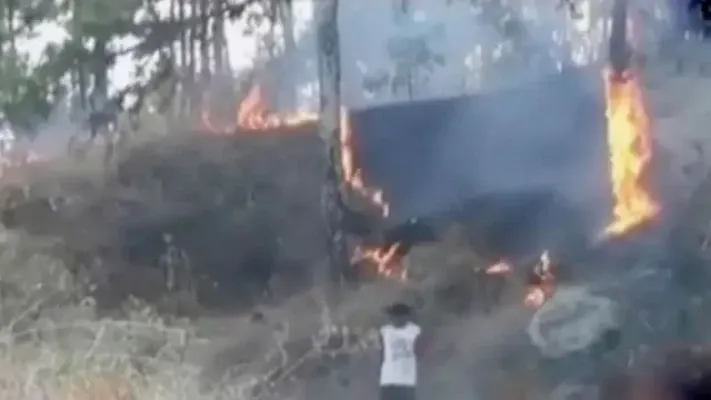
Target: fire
386	260
630	147
253	114
500	268
542	285
352	174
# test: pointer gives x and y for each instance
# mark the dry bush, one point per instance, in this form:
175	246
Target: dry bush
53	345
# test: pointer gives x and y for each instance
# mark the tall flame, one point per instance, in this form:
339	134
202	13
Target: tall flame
352	173
630	147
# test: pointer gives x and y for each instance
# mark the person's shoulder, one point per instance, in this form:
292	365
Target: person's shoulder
414	327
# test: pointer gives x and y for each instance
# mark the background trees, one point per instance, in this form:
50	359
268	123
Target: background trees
176	46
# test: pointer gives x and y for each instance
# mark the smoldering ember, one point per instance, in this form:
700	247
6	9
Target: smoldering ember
183	219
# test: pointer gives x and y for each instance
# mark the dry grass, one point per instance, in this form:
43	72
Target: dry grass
54	346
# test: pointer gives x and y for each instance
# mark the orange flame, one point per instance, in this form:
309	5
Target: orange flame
352	174
253	115
386	260
542	286
630	147
500	268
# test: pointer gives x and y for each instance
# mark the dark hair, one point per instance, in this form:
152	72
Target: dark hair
399	310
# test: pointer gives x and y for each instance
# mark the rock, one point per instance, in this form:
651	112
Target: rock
572	320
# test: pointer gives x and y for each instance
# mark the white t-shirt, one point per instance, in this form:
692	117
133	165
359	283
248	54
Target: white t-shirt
399	366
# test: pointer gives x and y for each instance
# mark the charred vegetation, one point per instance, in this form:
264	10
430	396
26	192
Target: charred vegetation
245	217
503	226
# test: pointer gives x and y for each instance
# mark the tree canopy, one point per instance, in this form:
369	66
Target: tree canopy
62	50
54	51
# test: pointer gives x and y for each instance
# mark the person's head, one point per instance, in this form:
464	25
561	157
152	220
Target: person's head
399	314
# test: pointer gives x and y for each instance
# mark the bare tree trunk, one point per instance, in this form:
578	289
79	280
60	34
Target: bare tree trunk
192	44
10	15
3	29
287	88
183	58
172	17
204	37
77	36
204	74
329	86
218	37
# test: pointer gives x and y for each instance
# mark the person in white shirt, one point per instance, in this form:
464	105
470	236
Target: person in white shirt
401	347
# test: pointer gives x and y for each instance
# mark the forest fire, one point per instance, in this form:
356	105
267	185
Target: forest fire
630	147
630	151
628	131
253	114
540	284
386	260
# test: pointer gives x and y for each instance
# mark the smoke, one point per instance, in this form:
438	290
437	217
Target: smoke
52	137
536	123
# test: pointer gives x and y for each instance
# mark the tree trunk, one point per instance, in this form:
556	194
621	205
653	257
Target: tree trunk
3	29
192	44
80	55
204	44
329	128
98	67
172	17
183	58
10	15
218	38
99	64
287	87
